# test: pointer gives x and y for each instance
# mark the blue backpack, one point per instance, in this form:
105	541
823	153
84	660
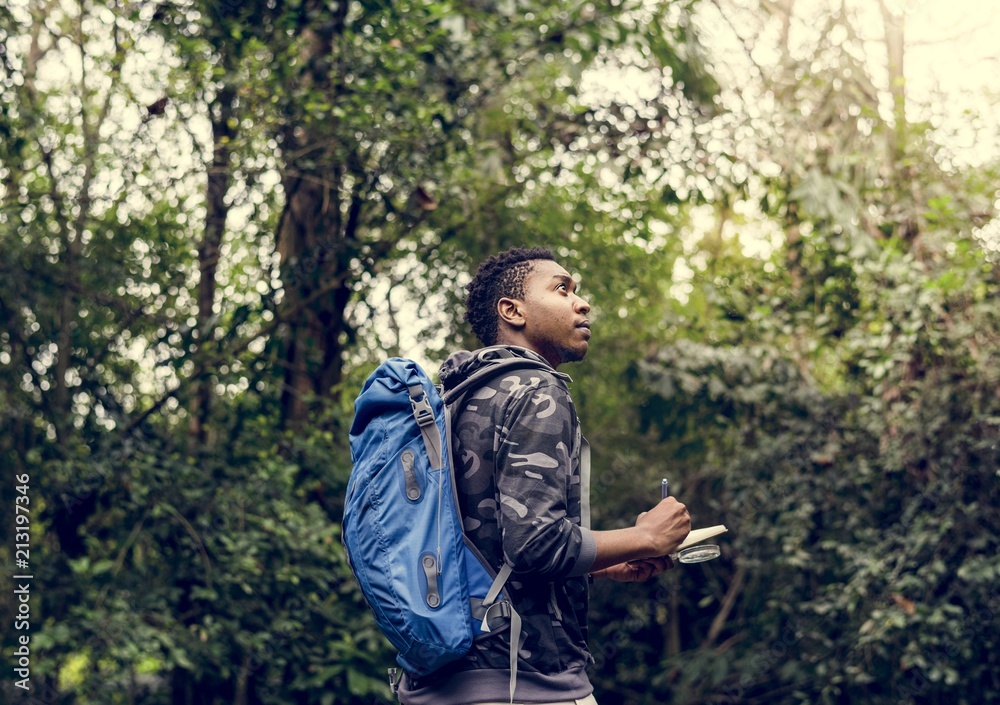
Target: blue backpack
430	589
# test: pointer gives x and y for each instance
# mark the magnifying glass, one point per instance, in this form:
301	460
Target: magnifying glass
691	554
697	554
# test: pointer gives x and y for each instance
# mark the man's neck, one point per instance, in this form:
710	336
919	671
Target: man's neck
518	342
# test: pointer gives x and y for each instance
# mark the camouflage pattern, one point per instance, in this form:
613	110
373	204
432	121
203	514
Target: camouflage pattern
517	468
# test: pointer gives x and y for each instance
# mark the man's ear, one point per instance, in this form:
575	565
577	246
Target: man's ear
510	312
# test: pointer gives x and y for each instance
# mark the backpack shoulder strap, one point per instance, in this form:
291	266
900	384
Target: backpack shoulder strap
423	414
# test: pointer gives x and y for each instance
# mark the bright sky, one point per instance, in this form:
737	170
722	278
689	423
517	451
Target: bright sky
950	60
952	45
955	52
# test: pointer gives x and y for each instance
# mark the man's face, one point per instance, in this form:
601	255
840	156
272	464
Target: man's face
555	317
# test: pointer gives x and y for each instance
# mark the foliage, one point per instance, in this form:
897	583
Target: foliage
219	566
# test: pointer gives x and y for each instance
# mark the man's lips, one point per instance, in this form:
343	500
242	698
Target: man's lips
584	325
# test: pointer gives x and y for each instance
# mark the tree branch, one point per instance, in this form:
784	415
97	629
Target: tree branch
728	602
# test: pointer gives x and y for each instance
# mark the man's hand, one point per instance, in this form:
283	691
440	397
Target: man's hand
666	525
636	571
656	533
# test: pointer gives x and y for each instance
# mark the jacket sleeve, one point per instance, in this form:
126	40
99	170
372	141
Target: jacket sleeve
539	485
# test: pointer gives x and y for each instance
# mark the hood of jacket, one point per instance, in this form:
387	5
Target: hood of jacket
460	365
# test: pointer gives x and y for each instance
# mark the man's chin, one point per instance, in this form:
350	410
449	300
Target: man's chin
575	354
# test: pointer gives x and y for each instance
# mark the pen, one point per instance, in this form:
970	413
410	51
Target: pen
664	488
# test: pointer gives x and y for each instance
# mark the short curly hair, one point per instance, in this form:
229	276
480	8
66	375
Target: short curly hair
500	276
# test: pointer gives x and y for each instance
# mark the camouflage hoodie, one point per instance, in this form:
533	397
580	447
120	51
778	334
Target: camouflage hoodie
516	448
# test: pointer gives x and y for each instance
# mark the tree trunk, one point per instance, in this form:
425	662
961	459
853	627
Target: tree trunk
785	8
316	245
911	225
316	239
894	33
70	275
672	629
219	177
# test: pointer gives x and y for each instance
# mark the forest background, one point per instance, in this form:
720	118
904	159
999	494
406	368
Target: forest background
217	217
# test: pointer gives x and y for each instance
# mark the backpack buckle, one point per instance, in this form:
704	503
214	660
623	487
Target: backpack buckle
422	410
395	676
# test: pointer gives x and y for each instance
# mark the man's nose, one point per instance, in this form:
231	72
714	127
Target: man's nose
581	305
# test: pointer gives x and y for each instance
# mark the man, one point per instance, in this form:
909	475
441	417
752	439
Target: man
517	446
